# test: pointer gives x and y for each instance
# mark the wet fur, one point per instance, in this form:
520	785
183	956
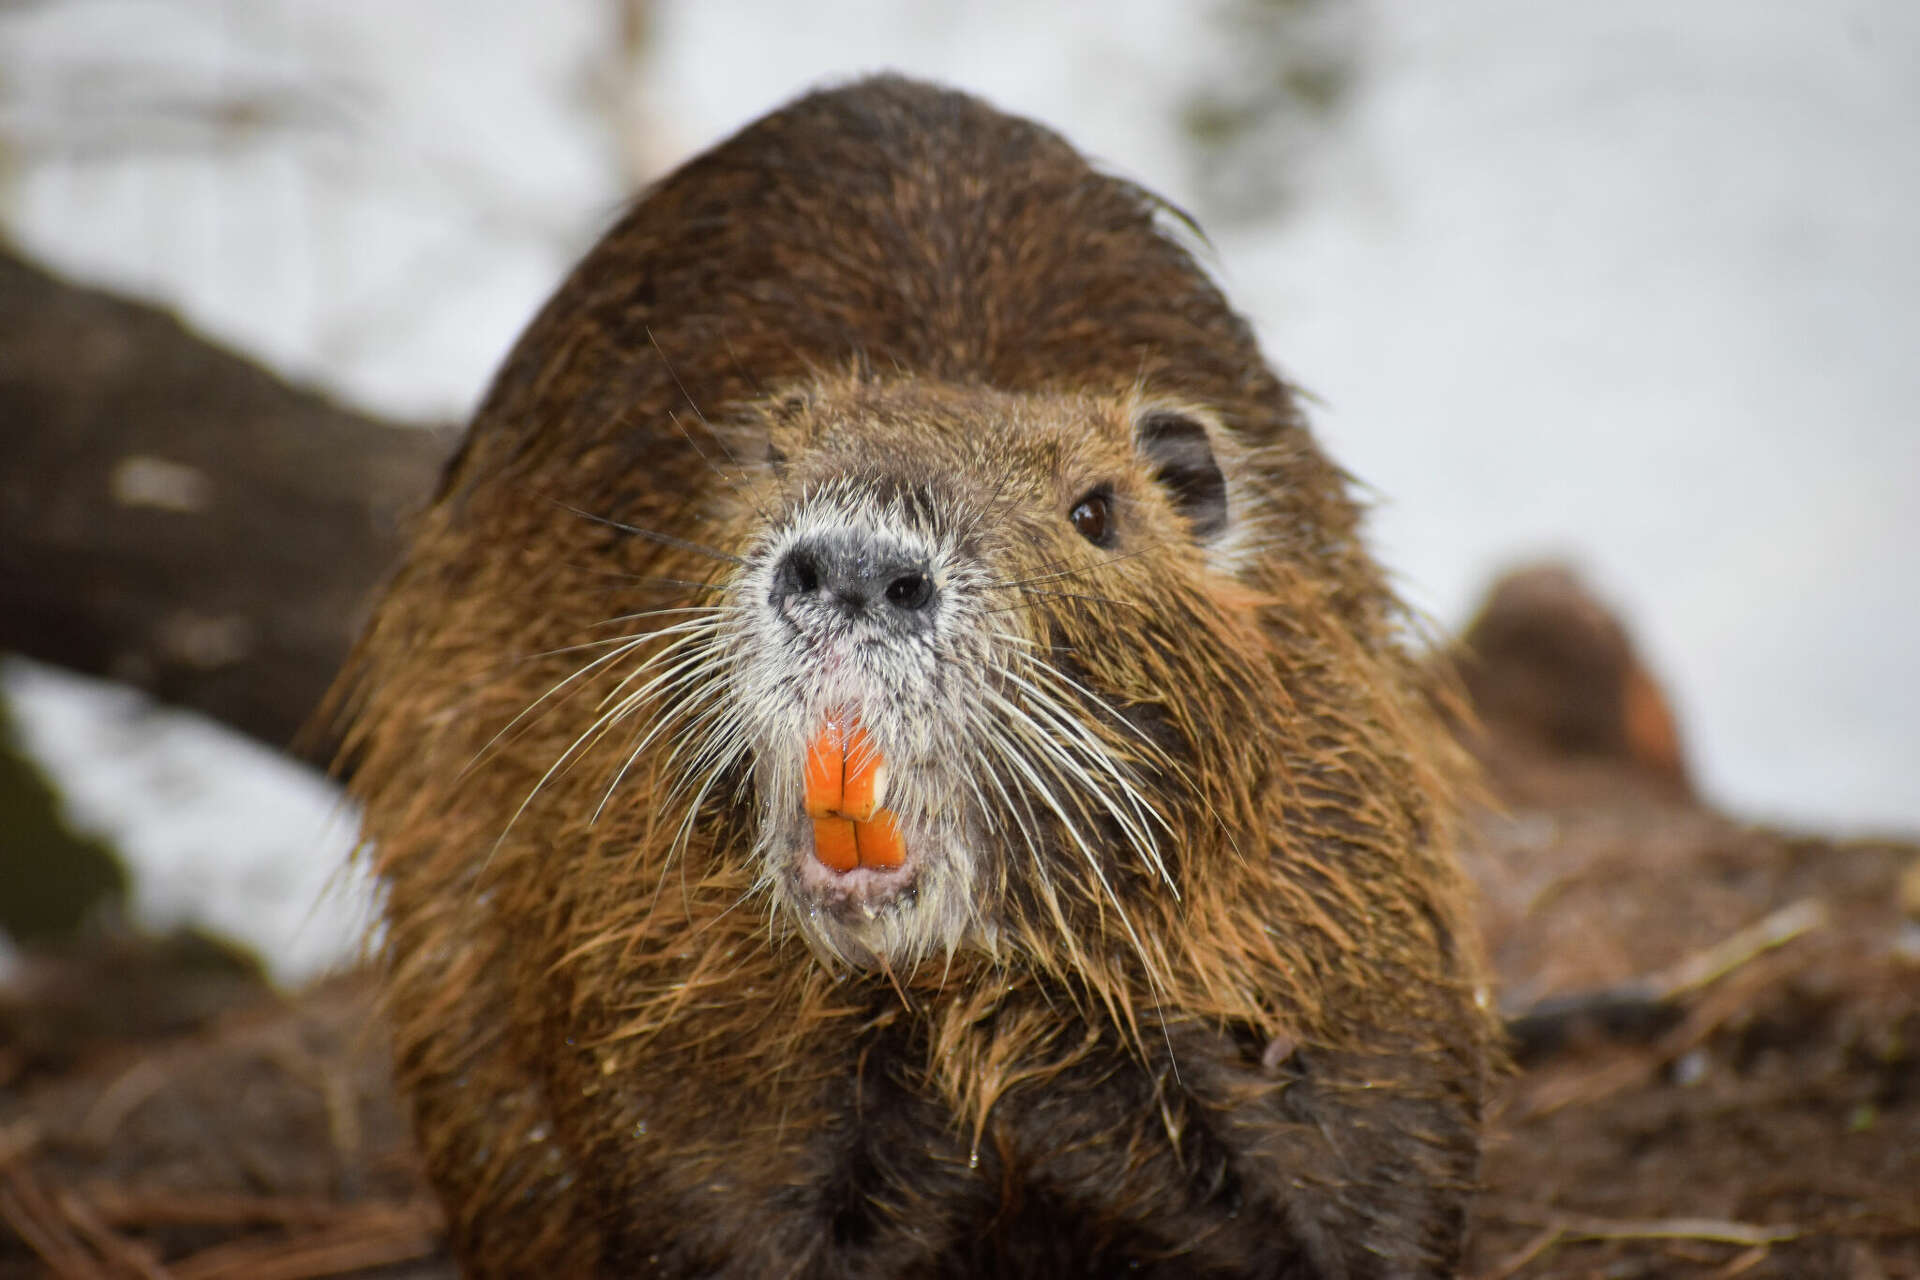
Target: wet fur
627	1049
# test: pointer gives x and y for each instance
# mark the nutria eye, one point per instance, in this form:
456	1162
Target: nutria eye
1092	516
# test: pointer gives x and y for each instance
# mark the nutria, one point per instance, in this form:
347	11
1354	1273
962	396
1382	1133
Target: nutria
888	756
1564	704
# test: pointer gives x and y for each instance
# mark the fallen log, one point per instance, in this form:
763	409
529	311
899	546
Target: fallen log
176	517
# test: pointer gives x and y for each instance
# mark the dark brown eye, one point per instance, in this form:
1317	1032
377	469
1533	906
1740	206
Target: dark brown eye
1092	516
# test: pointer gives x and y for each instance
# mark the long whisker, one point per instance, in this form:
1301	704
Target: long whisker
682	650
620	579
694	631
1024	767
625	644
1021	648
664	539
1070	595
1131	816
1049	574
1066	738
584	645
701	693
989	735
715	436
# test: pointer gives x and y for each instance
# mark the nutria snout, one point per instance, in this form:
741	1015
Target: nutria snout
842	575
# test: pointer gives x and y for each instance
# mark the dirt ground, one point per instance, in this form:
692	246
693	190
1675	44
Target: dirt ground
1716	1033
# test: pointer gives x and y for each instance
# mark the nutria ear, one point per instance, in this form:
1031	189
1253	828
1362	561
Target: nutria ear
1177	449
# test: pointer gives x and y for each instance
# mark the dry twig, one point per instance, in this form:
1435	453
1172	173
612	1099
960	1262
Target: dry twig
1566	1228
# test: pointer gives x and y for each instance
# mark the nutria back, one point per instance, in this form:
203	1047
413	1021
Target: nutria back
888	756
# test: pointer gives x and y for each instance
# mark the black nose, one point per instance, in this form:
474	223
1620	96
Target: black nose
853	574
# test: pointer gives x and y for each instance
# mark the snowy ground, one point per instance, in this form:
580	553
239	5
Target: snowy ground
1634	282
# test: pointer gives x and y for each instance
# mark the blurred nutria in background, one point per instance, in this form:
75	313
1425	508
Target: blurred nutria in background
889	757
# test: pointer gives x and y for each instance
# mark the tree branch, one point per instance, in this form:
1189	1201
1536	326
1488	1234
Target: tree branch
175	517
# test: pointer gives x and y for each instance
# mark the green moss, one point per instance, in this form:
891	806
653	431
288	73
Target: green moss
52	879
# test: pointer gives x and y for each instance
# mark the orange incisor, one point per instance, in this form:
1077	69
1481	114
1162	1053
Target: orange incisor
846	784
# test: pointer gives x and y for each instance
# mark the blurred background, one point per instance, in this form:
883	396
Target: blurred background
1636	285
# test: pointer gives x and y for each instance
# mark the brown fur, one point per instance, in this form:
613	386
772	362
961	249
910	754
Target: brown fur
622	1060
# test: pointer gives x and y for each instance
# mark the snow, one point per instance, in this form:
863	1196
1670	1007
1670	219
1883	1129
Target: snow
1635	283
220	832
294	177
1642	286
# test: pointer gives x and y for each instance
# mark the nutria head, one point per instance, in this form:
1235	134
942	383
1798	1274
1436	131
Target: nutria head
956	599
